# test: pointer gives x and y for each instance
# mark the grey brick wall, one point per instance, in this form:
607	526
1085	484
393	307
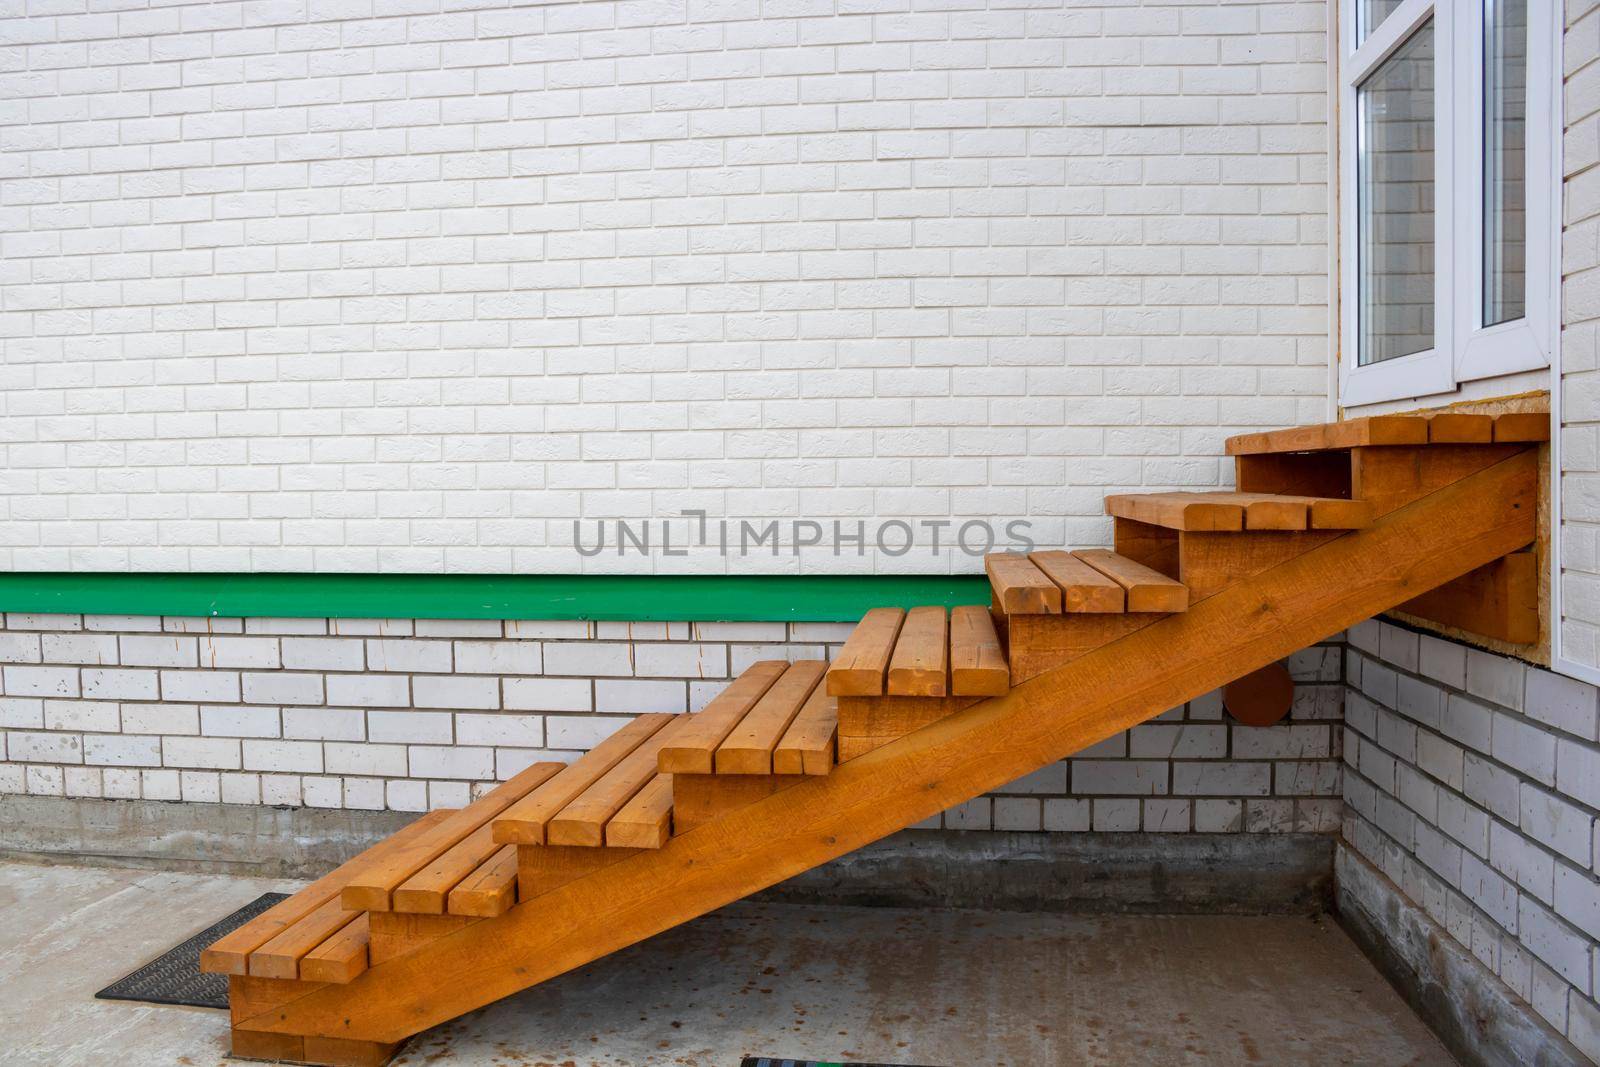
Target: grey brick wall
1473	781
410	714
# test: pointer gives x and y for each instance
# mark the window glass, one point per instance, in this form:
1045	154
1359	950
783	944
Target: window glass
1370	15
1505	112
1395	203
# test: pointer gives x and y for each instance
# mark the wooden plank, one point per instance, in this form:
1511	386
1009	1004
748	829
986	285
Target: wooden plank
1522	427
1040	642
280	957
583	821
1290	511
341	957
259	1045
397	933
373	889
920	666
1378	430
1019	588
861	663
525	821
1177	511
1388	478
342	1052
866	723
701	798
748	746
1083	589
230	954
1352	433
543	869
1460	428
1340	583
646	820
491	889
808	746
693	748
1209	562
977	665
1498	600
428	890
1269	511
1148	590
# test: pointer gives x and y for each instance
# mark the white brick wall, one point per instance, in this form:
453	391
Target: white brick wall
1579	388
345	286
552	690
1470	779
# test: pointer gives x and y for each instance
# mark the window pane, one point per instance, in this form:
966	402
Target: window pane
1394	203
1370	15
1505	112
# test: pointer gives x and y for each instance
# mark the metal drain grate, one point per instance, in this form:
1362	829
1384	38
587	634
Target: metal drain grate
174	977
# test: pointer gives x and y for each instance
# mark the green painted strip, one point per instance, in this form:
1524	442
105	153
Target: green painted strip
708	598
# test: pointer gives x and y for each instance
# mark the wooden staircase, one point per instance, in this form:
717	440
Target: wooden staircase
795	764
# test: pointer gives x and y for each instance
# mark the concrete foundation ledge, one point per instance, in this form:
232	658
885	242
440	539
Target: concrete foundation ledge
1476	1015
1245	874
1082	872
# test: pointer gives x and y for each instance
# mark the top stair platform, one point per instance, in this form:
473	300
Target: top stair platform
1443	428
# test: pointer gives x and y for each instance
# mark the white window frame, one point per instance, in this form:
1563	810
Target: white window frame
1463	351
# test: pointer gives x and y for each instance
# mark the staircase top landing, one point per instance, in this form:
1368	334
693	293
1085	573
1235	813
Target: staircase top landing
1440	428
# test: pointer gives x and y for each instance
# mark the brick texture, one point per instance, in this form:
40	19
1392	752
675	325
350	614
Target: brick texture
1579	388
340	287
1483	810
382	726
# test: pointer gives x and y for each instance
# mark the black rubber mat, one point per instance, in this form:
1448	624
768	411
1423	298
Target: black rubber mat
174	977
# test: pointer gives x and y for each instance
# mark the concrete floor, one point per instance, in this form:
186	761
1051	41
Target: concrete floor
945	989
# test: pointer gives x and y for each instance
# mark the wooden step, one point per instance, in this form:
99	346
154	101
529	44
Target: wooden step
1084	590
374	888
758	747
286	926
1222	512
583	822
1378	430
928	651
920	665
751	746
1146	589
693	750
527	821
977	663
863	663
1090	581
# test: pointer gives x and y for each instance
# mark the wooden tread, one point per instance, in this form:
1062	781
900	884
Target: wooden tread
860	667
583	821
793	724
977	663
693	750
1225	511
527	821
231	953
1148	590
930	652
374	888
1446	427
1093	581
